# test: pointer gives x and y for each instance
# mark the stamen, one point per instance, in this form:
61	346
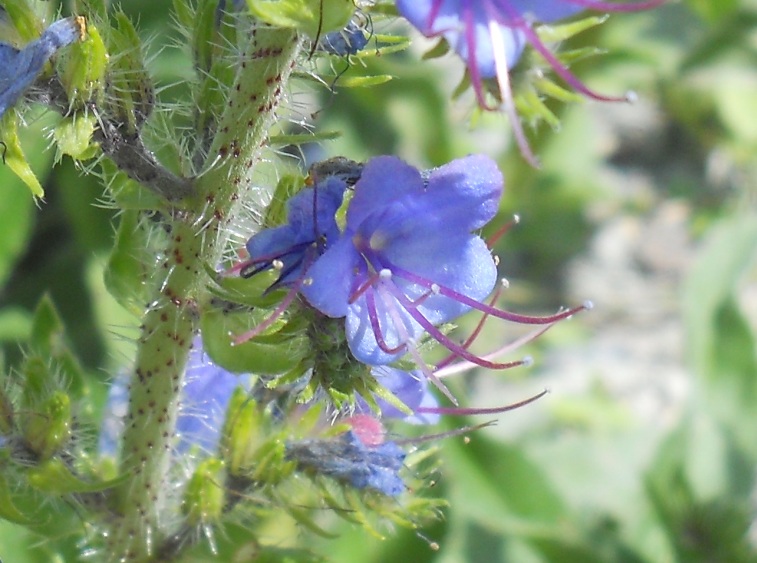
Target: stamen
562	71
385	292
476	411
376	326
611	7
476	332
448	434
493	311
506	92
364	287
277	312
492	240
443	339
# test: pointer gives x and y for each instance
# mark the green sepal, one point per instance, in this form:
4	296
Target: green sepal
302	516
308	16
364	81
204	496
287	187
184	13
130	93
48	341
532	109
267	354
7	413
85	66
240	433
73	136
250	292
549	88
127	272
24	18
559	33
294	139
13	154
93	9
437	51
8	510
387	44
47	429
204	29
54	477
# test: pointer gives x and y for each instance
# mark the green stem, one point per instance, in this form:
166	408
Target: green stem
197	238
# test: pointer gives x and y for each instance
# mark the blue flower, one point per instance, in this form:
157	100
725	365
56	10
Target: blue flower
347	41
19	68
407	260
310	229
490	35
204	398
348	460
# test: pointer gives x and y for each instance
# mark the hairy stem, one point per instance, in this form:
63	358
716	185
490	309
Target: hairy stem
197	238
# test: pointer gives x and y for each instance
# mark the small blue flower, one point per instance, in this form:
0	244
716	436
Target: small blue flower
205	396
348	41
348	460
490	35
407	260
19	68
310	229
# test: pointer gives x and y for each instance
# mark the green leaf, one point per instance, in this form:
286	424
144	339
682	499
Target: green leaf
15	221
74	135
54	477
730	248
499	486
364	81
24	19
8	510
269	353
14	155
307	16
127	272
84	71
46	426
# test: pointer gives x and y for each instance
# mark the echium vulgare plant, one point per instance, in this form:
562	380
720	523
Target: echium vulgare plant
287	323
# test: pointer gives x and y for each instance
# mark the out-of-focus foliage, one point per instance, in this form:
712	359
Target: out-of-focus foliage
592	476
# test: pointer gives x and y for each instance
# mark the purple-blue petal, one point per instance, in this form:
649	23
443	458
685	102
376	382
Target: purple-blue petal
330	278
19	68
467	23
385	180
205	396
361	337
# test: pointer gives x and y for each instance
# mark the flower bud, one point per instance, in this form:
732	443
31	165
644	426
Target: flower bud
204	496
47	430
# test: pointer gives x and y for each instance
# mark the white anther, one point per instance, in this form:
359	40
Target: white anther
277	264
505	283
307	282
435	289
516	218
632	97
588	305
528	361
496	260
385	274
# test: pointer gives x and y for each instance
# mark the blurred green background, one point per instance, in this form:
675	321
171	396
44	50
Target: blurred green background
646	447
